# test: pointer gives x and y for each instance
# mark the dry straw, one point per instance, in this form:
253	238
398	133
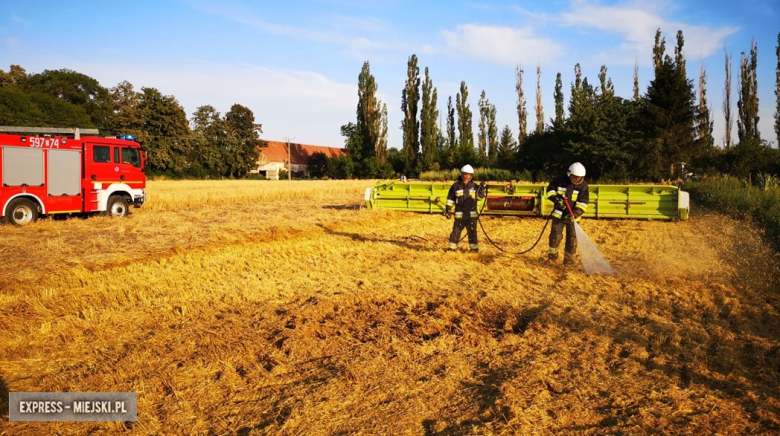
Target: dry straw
295	311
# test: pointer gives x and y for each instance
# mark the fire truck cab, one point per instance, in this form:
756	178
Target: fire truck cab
41	174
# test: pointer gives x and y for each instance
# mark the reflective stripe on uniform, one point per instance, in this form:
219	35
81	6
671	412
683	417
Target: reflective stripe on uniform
561	190
553	250
458	214
473	246
471	192
453	246
557	213
581	205
551	193
459	193
574	195
474	214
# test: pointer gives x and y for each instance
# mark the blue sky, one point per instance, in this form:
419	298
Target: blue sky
295	63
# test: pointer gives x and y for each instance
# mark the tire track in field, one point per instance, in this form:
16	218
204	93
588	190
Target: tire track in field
54	247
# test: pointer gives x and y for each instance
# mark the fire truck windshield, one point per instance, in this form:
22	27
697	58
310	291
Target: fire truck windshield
131	156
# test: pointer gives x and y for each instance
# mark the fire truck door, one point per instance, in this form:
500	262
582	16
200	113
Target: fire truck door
22	166
64	181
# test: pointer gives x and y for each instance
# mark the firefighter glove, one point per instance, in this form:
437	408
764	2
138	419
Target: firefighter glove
567	219
560	203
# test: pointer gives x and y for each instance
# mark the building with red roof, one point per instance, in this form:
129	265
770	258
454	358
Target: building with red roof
276	156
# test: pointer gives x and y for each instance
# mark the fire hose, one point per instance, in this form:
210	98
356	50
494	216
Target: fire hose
479	221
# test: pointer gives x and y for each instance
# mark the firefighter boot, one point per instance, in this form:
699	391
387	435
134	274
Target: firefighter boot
569	260
552	255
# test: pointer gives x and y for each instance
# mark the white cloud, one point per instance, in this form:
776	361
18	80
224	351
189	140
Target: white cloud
12	44
637	25
305	105
506	45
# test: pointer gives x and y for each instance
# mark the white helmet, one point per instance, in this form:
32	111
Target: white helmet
576	169
467	169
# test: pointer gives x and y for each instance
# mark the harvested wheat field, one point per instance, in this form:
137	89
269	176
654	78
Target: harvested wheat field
288	308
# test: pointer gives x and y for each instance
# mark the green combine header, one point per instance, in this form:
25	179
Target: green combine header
650	202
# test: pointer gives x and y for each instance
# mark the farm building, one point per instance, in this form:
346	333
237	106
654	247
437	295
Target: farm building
275	155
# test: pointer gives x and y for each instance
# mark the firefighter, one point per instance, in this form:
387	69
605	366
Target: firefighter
462	202
571	187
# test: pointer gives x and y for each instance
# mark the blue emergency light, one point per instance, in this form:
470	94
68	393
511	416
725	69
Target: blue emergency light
127	137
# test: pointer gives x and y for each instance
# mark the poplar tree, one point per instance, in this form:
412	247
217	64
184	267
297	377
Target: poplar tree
747	105
636	80
466	136
482	136
452	138
429	133
368	116
704	124
538	107
558	95
381	149
410	125
607	89
522	113
777	91
492	136
729	121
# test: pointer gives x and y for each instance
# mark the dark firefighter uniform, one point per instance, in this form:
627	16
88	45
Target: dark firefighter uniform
462	200
578	196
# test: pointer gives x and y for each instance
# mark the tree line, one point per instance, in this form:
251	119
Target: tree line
664	133
209	144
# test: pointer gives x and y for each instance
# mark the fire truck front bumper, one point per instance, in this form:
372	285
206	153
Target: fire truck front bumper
139	197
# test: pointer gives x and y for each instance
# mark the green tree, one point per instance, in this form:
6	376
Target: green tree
703	121
165	132
15	75
670	108
368	116
558	95
747	105
492	136
466	143
34	109
777	92
482	135
538	107
727	101
606	89
636	81
317	164
522	112
75	88
381	150
452	137
209	143
244	134
410	97
429	132
126	119
507	147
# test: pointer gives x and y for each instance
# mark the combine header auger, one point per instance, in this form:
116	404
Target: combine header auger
646	202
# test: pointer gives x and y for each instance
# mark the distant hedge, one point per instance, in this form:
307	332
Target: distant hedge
487	174
757	199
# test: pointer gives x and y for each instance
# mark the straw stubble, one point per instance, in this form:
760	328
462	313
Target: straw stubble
287	308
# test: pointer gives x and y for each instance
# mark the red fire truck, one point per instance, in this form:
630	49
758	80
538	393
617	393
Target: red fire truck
43	174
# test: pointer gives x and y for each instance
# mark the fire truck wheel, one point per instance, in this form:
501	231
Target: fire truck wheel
21	211
117	206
